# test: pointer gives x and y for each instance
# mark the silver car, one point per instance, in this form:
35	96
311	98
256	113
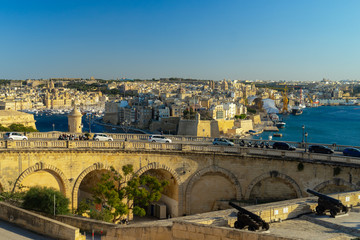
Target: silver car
159	138
222	141
102	137
14	136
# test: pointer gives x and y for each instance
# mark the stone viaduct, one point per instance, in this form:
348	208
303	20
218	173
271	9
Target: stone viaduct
201	177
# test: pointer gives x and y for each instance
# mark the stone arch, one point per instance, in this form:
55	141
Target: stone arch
156	165
273	174
95	166
40	166
174	191
211	169
337	182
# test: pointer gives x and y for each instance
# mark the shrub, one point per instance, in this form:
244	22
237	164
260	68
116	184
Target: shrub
42	199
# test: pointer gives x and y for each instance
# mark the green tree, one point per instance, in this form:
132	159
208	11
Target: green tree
42	199
119	193
21	128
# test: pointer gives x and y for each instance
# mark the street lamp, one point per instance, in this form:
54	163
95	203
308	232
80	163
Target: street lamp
306	135
53	125
89	117
125	125
303	133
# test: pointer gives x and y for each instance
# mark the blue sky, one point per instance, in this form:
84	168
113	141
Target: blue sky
204	39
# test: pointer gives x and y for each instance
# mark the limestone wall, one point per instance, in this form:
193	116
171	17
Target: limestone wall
187	127
8	117
224	125
256	119
185	231
38	223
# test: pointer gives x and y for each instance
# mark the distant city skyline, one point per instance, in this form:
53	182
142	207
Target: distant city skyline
144	39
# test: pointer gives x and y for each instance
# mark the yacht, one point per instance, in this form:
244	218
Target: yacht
280	124
296	111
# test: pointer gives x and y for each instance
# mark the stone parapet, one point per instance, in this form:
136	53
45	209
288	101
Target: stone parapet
39	224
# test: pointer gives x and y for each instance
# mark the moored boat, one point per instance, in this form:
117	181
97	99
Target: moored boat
280	124
296	111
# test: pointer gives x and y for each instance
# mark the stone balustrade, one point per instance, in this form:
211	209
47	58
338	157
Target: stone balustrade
176	138
188	147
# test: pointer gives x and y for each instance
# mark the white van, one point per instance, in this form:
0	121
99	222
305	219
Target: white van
159	138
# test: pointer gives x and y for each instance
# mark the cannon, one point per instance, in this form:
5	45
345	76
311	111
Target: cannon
326	203
248	219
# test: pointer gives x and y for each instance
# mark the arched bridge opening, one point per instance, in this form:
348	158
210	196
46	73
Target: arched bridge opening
211	189
170	196
335	185
271	187
45	176
88	183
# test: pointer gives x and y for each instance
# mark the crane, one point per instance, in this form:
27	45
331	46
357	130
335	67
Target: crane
285	101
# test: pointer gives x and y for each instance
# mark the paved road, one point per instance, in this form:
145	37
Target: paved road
10	231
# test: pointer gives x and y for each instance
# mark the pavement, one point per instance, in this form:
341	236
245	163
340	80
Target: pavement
313	226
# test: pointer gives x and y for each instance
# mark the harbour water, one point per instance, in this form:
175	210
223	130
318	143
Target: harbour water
59	122
325	124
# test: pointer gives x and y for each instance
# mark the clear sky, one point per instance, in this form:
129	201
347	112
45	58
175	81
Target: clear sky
204	39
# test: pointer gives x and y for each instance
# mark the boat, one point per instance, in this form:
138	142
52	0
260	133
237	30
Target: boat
280	124
296	111
277	135
274	117
253	132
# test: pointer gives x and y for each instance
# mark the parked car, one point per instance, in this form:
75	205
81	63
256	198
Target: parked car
14	136
159	138
102	137
320	149
222	141
353	152
283	146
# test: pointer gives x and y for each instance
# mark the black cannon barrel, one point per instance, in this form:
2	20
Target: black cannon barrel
323	196
244	211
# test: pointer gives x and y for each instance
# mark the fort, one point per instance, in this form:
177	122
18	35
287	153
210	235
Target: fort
201	177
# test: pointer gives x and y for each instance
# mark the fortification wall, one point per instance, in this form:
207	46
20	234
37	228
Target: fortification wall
224	125
188	127
8	117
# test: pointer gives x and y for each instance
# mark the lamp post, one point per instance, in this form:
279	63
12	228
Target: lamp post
125	125
303	133
306	135
89	117
53	125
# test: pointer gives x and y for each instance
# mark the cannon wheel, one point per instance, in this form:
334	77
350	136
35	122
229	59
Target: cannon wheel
238	225
319	210
333	213
265	226
252	228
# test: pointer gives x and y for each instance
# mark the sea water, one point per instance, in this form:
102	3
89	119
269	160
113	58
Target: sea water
325	124
59	122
